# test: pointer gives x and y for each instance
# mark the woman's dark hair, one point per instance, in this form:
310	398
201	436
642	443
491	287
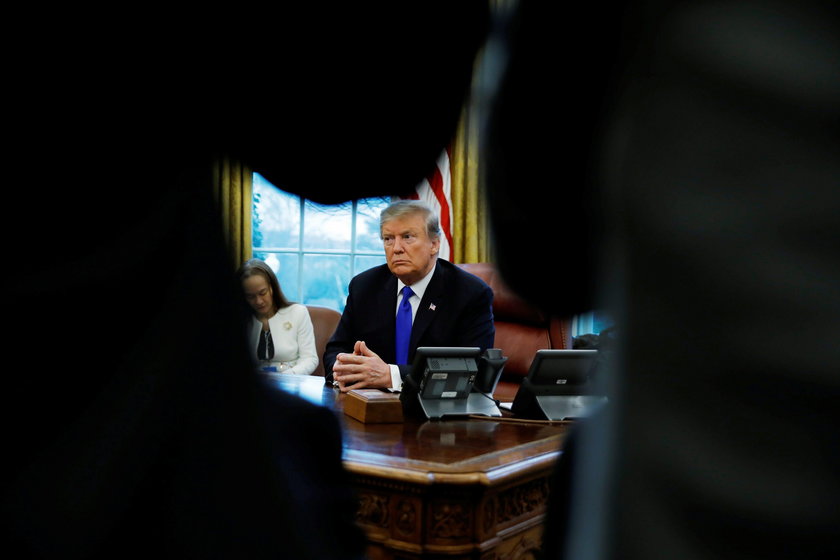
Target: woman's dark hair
257	267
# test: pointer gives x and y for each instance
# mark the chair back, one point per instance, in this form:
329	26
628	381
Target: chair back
521	329
324	322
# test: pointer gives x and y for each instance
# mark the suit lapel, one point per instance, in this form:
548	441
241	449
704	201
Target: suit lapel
387	304
429	306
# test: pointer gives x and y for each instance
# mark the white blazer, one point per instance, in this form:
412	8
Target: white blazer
293	338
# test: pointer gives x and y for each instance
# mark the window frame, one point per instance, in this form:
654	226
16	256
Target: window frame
300	252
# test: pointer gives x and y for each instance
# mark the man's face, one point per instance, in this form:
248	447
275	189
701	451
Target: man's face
409	250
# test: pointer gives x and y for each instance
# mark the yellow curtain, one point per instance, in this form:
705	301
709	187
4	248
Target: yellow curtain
470	231
232	187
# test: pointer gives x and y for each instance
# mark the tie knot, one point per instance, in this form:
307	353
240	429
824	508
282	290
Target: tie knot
407	293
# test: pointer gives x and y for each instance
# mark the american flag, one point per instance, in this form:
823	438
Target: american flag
436	191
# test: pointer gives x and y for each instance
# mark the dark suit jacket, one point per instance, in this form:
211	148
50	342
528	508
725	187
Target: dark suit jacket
456	310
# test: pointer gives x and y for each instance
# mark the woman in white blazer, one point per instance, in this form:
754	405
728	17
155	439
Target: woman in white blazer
280	333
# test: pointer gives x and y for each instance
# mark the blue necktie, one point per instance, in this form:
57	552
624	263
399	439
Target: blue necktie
404	326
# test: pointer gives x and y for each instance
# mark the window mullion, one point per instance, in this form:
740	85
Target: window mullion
301	209
353	238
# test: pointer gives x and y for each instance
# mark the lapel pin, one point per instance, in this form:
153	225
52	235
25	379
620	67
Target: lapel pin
432	306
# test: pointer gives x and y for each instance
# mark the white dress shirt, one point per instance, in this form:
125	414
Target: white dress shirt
419	288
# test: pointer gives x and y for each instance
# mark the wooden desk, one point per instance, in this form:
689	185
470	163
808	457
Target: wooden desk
458	489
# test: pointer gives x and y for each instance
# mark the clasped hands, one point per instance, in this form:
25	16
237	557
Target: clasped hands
363	368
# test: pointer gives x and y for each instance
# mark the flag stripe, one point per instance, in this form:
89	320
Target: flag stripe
435	190
437	185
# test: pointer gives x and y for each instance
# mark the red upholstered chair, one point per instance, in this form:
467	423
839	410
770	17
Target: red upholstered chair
521	329
324	322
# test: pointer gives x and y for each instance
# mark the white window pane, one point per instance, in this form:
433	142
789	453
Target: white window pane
601	321
325	280
363	263
312	249
367	223
276	216
327	227
592	322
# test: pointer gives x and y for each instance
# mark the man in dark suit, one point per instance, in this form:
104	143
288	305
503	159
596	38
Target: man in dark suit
450	306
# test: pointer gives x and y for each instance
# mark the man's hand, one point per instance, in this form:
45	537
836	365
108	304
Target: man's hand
363	368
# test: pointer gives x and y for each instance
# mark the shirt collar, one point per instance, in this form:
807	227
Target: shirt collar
419	287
